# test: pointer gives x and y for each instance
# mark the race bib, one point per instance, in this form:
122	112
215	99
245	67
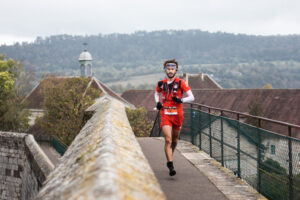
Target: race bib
170	110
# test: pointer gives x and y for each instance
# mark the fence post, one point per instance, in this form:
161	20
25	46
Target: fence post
159	121
238	147
192	126
259	158
291	192
200	130
210	140
222	140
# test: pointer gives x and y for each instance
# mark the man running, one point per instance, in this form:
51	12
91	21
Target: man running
171	109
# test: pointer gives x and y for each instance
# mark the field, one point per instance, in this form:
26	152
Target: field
135	81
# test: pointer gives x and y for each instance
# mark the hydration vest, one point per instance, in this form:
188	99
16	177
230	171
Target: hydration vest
176	91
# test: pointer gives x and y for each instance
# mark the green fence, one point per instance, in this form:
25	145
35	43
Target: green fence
58	146
268	161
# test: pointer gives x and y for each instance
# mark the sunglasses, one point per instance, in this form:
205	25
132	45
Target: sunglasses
170	65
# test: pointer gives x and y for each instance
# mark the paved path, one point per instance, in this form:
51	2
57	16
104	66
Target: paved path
188	183
50	152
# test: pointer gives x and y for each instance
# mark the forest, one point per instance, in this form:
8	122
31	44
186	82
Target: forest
233	60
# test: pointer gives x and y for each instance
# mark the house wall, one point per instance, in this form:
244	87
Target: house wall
282	153
248	165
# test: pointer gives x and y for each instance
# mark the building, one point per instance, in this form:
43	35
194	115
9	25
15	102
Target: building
145	98
35	98
277	104
85	60
200	81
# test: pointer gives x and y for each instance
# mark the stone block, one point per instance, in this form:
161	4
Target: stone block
7	172
17	174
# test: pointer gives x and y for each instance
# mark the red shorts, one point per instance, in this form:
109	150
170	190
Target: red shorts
175	121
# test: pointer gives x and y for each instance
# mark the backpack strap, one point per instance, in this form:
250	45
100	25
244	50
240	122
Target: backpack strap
165	87
160	85
179	84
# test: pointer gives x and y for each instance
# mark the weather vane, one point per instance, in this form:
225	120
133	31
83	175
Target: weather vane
85	45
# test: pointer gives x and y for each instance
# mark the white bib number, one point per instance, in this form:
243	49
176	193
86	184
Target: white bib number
171	110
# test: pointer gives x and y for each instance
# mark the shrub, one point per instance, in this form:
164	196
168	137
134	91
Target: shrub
140	123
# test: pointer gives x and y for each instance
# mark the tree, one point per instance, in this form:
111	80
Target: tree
267	86
255	109
13	116
6	84
273	166
141	125
65	104
274	180
119	56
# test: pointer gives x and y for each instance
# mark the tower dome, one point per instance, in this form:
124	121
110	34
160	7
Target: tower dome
85	55
85	62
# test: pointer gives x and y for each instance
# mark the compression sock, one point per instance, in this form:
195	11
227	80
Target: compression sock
170	165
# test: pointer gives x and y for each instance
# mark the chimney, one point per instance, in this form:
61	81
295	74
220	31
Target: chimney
186	78
202	76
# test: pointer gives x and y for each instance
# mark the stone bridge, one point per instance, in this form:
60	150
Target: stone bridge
106	161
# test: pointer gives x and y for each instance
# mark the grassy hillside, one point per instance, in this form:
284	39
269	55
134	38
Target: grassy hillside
234	60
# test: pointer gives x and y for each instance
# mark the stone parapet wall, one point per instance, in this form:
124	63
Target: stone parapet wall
12	160
37	167
104	161
23	166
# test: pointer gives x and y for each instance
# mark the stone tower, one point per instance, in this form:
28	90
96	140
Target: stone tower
85	62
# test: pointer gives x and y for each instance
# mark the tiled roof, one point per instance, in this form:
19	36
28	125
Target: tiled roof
111	93
140	98
35	98
278	104
200	81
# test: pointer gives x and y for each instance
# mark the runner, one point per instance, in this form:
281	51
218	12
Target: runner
171	109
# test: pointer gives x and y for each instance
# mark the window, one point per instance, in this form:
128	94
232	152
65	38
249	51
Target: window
193	114
89	70
273	149
82	70
299	156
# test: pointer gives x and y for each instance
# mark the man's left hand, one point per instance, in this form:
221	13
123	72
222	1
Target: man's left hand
177	100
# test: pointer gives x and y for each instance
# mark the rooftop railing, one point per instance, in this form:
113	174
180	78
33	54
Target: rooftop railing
267	160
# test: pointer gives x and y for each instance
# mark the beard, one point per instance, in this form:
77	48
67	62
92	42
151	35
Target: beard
170	75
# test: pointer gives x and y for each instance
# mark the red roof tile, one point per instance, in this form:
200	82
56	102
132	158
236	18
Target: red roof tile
278	104
140	98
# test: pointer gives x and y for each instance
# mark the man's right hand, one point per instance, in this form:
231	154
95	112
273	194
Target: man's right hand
159	106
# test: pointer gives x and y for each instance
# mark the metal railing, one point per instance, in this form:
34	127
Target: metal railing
58	145
268	161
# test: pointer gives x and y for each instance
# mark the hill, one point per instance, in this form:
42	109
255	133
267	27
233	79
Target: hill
229	57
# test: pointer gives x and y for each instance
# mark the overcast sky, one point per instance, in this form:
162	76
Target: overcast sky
24	20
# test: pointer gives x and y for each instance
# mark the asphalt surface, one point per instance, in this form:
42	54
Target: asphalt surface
189	183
